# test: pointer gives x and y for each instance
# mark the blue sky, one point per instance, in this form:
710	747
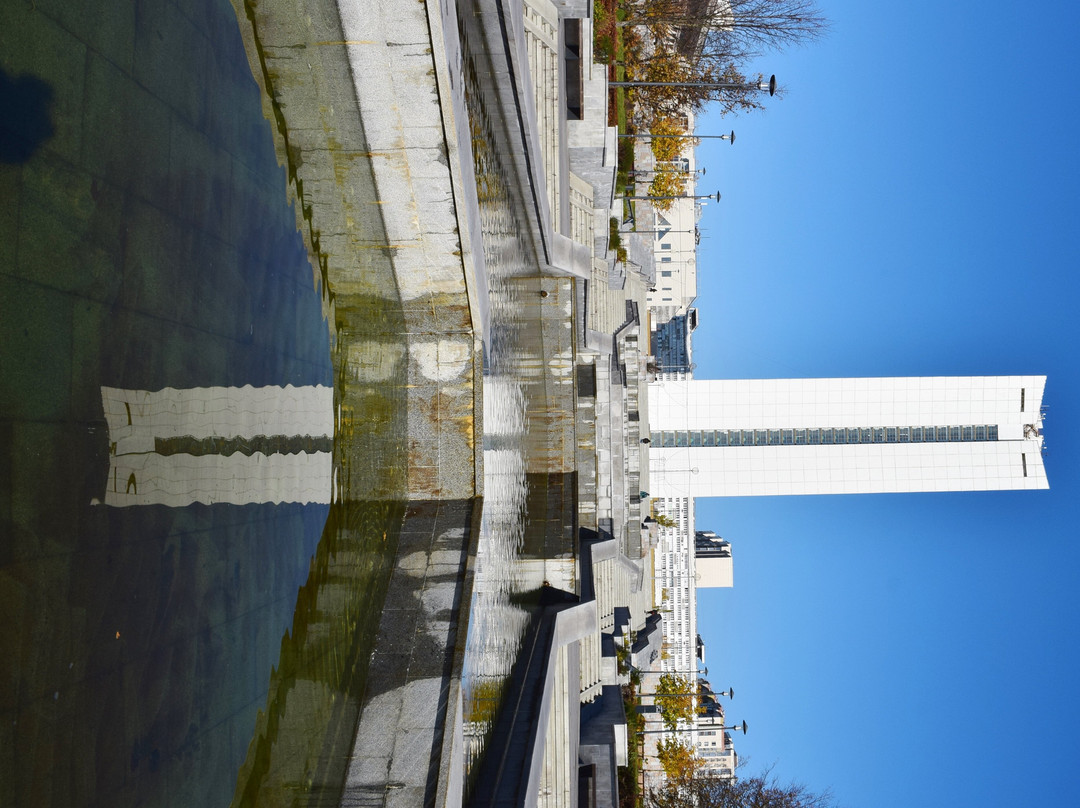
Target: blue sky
909	208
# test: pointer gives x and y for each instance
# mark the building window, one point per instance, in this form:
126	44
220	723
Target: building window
665	273
844	435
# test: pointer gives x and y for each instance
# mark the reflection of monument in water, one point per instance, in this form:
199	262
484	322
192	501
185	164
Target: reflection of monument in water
236	445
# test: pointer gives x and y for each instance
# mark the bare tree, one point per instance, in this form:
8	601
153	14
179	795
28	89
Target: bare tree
758	26
735	29
700	790
658	12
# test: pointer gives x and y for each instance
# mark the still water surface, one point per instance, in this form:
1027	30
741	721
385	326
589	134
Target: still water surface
173	636
167	558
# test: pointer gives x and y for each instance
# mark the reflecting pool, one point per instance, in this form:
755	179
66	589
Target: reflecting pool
179	443
203	451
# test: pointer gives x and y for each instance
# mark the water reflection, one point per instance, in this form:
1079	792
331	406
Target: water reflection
172	637
239	445
516	537
24	116
188	624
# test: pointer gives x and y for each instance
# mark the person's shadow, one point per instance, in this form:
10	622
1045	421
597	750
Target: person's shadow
24	116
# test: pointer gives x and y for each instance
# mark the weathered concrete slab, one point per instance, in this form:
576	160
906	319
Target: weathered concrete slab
408	746
360	95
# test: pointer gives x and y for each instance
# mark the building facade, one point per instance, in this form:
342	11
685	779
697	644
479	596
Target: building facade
846	436
676	590
713	564
674	234
712	742
671	346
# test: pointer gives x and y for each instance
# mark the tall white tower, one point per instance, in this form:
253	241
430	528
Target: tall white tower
846	436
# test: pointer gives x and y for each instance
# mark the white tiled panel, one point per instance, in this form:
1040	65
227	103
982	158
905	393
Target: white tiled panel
1009	403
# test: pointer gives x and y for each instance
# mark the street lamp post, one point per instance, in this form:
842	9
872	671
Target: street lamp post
664	695
762	86
668	230
730	137
715	196
702	671
644	172
694	728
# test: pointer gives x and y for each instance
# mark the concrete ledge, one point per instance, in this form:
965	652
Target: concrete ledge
570	257
358	95
408	748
